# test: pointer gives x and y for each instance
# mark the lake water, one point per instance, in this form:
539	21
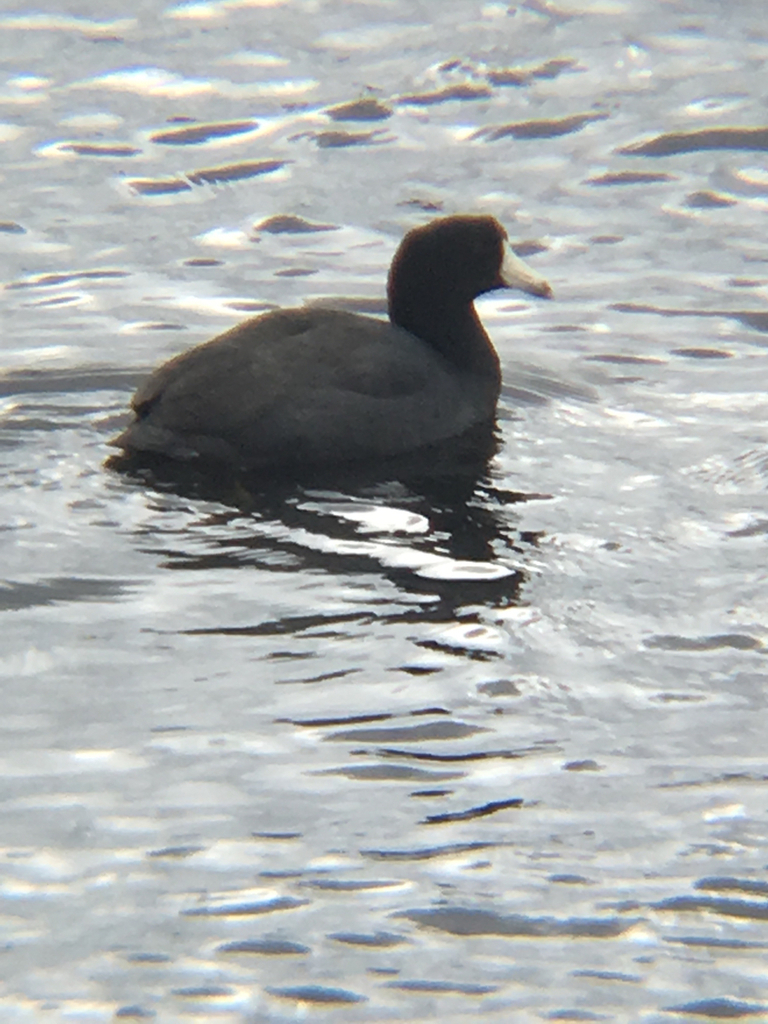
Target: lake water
383	750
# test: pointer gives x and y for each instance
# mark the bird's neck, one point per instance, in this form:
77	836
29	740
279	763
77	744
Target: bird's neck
453	329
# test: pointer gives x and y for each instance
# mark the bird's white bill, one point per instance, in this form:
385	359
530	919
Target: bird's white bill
517	274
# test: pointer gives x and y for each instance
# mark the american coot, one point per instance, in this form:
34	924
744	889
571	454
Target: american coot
311	387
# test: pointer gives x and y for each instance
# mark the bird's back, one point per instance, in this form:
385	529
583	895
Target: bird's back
305	386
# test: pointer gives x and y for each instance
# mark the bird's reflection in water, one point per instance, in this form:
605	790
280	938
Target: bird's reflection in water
432	523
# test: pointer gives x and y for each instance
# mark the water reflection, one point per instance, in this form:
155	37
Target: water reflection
437	525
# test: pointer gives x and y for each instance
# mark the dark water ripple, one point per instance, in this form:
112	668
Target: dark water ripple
718	905
549	128
194	134
466	921
317	994
265	947
706	138
720	1008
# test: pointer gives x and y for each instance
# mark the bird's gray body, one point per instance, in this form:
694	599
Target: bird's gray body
304	387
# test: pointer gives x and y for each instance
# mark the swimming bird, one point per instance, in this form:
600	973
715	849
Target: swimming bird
310	387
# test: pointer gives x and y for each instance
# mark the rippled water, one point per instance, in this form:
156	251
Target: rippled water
388	749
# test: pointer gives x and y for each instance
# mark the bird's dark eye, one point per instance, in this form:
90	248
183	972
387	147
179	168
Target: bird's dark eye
477	250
